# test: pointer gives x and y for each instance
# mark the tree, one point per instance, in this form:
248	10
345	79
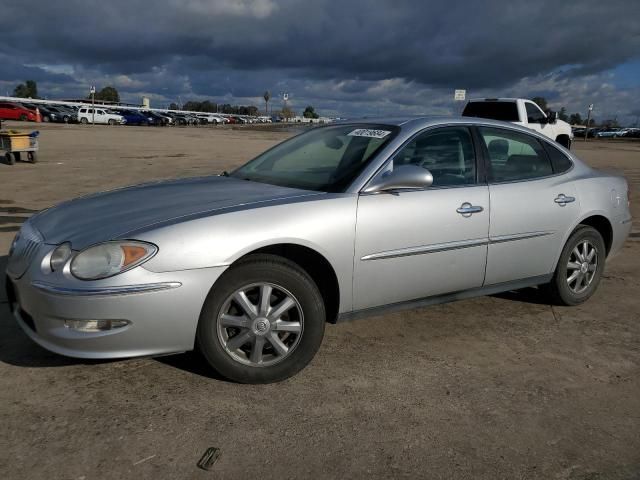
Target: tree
562	114
575	119
309	112
173	106
541	102
108	94
29	89
267	97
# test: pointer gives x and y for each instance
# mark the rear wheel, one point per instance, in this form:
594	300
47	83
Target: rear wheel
262	322
580	267
23	118
84	121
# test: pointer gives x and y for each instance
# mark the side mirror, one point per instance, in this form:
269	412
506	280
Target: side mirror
404	176
552	117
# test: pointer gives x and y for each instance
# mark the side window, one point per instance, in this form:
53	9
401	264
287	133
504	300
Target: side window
514	156
559	160
534	114
446	152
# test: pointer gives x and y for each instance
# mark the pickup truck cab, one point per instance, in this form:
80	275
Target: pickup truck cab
521	112
86	115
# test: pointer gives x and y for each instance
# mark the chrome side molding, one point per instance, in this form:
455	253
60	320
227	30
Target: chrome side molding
103	291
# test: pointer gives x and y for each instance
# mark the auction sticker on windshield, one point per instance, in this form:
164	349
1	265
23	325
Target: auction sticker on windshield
366	132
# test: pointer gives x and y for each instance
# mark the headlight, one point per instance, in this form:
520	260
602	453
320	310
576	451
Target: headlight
59	256
110	258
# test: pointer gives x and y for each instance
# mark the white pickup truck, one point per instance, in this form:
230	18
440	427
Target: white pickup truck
101	115
522	112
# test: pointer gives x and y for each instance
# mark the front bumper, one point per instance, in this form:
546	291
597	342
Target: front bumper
162	311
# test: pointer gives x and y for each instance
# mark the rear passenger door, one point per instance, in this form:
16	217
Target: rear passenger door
532	204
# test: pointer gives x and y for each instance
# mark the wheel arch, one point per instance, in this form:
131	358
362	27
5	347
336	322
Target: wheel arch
315	264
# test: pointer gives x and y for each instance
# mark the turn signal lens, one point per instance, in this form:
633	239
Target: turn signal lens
110	258
95	325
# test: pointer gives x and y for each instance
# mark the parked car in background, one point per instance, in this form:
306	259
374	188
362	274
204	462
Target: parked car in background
133	117
612	132
156	118
521	112
62	114
13	111
211	118
340	222
101	116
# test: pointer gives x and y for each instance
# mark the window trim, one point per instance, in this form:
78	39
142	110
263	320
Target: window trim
485	151
468	126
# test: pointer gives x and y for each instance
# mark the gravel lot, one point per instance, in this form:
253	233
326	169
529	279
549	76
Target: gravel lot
494	387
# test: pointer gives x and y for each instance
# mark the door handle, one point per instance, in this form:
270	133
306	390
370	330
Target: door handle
562	199
466	209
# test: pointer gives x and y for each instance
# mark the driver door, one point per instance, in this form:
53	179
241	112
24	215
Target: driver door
418	243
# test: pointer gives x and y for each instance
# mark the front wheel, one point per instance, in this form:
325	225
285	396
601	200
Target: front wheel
111	122
580	267
262	322
84	121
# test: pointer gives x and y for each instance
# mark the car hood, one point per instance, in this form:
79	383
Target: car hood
114	214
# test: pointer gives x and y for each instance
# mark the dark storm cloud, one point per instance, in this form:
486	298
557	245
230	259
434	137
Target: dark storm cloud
240	47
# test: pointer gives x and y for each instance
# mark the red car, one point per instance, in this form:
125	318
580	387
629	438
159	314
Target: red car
11	111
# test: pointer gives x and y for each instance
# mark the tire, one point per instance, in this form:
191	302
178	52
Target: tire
32	157
111	122
298	336
23	118
9	158
84	121
560	289
46	119
17	156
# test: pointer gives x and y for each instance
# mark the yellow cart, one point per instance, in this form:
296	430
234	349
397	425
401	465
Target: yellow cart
15	143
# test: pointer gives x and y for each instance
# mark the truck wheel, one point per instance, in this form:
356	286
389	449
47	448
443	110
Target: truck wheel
111	121
262	322
84	121
564	140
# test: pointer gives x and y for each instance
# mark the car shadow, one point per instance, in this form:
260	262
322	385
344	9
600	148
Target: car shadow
191	362
531	295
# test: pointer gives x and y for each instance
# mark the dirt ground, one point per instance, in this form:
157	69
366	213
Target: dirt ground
501	387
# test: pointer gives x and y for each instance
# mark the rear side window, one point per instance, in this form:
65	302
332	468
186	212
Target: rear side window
514	156
505	111
559	160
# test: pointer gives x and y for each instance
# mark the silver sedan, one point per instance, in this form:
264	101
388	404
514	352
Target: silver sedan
342	221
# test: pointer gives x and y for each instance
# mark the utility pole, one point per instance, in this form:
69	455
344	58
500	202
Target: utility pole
586	130
93	104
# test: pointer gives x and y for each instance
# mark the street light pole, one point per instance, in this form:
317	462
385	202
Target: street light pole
586	130
93	104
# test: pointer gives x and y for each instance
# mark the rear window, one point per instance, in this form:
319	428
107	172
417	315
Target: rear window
505	111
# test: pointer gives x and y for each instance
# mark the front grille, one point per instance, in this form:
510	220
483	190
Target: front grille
24	250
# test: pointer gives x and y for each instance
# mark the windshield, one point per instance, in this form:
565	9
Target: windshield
325	159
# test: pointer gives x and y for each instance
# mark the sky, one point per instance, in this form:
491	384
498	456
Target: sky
346	58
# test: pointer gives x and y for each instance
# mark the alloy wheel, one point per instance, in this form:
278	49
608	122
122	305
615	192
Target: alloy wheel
582	266
260	324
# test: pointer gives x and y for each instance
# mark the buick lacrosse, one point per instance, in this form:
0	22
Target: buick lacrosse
341	221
